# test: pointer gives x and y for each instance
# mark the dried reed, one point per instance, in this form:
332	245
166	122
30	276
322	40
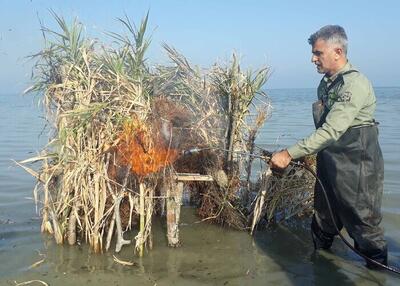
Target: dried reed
119	128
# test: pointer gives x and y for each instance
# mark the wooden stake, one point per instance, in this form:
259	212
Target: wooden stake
110	231
117	201
120	234
46	225
174	202
142	218
72	225
259	204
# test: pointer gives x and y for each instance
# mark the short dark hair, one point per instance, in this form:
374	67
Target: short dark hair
331	33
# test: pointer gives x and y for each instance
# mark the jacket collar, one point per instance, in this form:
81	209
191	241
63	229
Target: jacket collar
329	79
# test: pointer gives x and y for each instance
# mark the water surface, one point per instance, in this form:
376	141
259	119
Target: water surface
210	255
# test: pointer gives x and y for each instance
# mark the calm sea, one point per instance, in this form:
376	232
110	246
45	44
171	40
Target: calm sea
210	255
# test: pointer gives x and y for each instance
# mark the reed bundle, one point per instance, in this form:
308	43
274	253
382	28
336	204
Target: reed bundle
119	128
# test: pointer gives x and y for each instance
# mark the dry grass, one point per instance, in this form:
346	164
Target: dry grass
119	128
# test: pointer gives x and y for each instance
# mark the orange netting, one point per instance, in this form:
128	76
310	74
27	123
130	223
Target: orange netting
143	149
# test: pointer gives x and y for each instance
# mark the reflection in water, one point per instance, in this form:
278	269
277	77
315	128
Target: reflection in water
210	255
296	256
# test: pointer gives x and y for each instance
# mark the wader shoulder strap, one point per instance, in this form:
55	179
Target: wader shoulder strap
320	112
338	79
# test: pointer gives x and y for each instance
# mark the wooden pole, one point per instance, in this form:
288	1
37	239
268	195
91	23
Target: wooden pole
174	202
142	218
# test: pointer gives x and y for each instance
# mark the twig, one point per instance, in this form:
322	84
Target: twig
122	262
29	282
36	264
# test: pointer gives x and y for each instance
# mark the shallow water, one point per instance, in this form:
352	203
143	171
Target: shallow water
210	255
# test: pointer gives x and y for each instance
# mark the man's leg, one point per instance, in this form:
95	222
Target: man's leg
361	211
362	222
322	227
368	236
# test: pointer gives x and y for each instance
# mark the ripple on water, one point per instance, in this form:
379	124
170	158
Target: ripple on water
209	255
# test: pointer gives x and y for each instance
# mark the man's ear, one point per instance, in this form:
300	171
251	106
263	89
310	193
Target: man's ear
338	52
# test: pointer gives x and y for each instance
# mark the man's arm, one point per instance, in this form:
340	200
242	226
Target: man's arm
350	100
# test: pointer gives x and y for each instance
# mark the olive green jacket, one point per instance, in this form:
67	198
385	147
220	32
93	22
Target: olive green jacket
349	102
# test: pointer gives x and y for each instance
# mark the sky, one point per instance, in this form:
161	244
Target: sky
263	33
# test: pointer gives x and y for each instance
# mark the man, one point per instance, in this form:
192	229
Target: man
349	159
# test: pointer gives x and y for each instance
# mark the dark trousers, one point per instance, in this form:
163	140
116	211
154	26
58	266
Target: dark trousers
351	171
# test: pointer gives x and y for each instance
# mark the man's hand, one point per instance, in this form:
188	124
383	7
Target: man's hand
280	160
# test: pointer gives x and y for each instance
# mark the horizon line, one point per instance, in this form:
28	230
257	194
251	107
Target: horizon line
267	88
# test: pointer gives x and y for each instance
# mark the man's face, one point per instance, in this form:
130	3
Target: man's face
325	57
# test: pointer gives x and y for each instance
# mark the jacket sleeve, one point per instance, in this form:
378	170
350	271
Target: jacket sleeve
347	104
